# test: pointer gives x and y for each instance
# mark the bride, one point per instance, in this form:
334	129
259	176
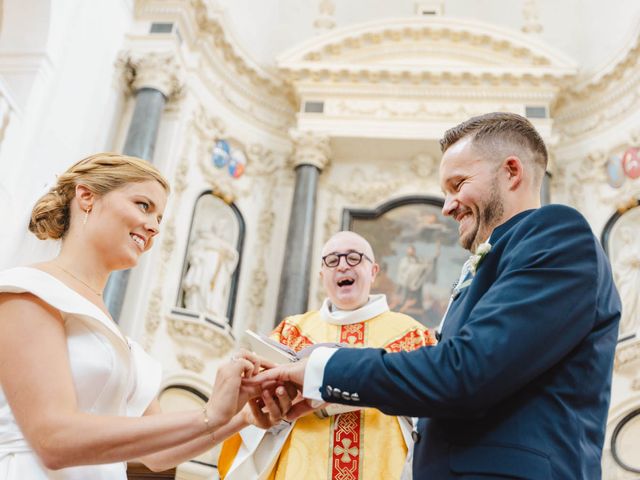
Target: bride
77	398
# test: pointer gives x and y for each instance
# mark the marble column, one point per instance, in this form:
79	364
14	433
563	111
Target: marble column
154	79
545	191
311	155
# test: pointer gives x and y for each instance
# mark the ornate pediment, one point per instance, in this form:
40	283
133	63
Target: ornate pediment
426	48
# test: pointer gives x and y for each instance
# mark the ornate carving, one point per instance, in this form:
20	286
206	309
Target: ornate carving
262	161
154	312
260	277
207	127
435	35
191	362
310	149
411	109
325	20
601	101
206	337
531	18
423	165
626	353
368	186
180	178
158	70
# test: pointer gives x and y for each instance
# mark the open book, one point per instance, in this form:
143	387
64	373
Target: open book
278	353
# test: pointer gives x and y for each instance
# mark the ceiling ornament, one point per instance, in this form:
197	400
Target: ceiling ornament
325	20
531	18
418	49
602	100
222	65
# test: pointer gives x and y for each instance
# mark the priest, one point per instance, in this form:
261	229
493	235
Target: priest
335	442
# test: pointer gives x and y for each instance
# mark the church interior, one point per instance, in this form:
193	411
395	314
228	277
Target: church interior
281	122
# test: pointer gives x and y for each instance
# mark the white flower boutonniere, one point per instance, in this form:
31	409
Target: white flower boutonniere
472	266
476	259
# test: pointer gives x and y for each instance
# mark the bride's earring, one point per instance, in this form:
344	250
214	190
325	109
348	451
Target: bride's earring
86	216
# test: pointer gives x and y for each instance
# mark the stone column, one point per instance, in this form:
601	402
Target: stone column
154	79
545	191
310	156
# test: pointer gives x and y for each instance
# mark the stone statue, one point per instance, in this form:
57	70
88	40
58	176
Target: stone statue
626	271
212	259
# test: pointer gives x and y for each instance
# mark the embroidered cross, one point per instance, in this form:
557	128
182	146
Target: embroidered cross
346	450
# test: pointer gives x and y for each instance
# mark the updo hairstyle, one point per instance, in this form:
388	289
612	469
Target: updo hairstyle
101	173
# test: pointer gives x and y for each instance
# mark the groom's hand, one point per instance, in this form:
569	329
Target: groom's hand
290	373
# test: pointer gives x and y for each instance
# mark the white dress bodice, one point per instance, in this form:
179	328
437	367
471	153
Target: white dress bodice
112	376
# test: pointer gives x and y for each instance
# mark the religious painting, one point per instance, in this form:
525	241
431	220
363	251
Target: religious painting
418	253
620	241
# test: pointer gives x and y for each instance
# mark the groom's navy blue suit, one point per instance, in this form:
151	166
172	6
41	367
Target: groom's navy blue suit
519	385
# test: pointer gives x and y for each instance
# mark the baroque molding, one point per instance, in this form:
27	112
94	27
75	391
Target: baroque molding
260	275
347	42
190	362
257	94
154	310
263	161
601	101
208	339
531	18
411	52
627	353
408	109
310	148
158	70
325	19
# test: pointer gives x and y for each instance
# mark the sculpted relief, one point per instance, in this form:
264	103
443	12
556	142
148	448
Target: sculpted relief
624	251
212	258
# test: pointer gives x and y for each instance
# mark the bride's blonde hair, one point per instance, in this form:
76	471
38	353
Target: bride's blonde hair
101	173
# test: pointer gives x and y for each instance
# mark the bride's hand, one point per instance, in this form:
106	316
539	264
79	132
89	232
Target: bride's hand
228	395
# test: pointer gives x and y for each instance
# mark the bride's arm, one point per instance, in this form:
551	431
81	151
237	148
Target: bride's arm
36	378
251	414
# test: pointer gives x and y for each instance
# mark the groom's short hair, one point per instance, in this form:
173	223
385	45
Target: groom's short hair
501	134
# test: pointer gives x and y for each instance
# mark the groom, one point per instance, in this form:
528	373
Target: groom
519	385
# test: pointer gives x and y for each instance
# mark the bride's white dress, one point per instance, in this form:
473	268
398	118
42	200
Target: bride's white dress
112	376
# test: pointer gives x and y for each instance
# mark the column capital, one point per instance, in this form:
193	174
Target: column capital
310	148
158	70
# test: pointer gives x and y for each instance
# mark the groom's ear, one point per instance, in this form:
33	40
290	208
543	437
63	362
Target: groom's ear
513	171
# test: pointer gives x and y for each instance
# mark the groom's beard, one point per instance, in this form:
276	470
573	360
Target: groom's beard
486	220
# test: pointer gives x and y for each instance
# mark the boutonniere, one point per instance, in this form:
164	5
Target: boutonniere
472	266
476	259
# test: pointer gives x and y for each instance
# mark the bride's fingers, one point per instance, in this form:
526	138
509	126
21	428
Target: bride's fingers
243	366
258	362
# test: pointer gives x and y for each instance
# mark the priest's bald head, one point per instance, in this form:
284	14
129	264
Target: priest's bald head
348	270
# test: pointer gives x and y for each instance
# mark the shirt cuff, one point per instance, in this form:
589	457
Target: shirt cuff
314	373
